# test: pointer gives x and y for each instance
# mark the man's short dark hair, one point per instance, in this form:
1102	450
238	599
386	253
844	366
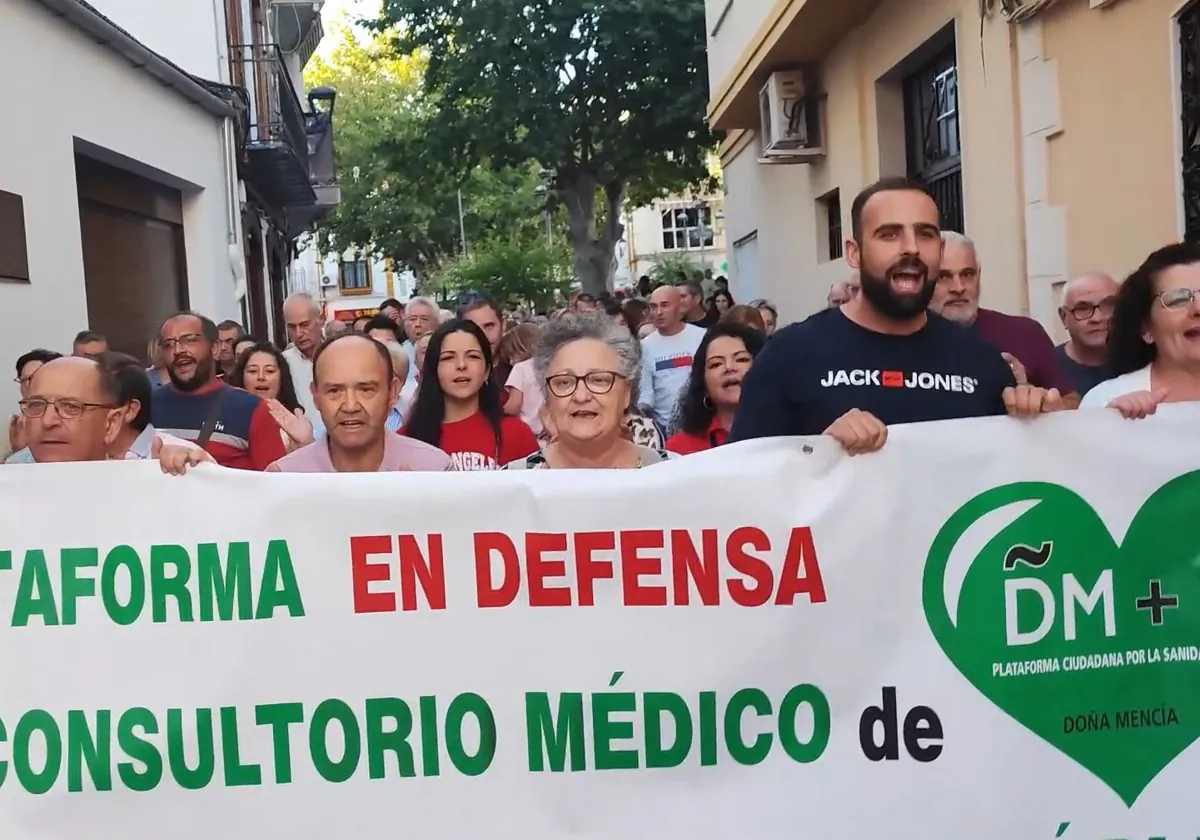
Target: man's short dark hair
38	355
384	353
383	322
890	183
88	337
207	328
693	287
132	383
230	324
477	300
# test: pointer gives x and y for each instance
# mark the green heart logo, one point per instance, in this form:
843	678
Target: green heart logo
1090	645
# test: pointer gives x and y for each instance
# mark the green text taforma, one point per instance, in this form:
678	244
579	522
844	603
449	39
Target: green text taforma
142	749
161	584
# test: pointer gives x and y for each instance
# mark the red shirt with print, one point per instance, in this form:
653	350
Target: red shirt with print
686	443
471	443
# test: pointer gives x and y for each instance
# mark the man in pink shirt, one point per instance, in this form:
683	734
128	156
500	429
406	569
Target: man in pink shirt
354	387
1023	341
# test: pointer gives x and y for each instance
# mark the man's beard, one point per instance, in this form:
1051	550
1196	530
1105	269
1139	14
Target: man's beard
201	375
898	307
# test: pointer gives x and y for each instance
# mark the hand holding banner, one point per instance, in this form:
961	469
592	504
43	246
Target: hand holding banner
988	629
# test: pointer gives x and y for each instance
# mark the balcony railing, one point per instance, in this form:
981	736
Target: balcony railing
278	129
278	112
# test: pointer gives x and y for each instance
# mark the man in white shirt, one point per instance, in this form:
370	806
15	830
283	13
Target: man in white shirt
302	317
667	356
421	317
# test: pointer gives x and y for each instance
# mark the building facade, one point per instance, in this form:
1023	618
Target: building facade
280	142
117	195
1052	132
349	284
287	161
671	230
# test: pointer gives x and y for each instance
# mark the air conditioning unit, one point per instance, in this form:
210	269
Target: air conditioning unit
790	118
326	282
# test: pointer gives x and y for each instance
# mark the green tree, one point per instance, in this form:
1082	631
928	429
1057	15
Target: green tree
667	266
400	193
600	93
513	273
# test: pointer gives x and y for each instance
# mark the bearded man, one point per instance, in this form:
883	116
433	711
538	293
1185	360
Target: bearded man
881	358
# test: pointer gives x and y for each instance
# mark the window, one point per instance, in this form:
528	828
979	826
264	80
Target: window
14	253
687	227
355	277
1189	100
931	125
829	216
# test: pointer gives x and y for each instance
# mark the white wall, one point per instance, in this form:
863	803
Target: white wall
185	31
79	89
775	202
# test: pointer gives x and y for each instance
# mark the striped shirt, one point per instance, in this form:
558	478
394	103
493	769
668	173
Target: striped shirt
246	436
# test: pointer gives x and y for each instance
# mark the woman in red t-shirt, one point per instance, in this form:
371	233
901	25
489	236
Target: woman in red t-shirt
708	403
458	406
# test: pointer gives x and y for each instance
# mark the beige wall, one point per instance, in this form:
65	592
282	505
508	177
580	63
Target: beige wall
1113	166
732	27
864	139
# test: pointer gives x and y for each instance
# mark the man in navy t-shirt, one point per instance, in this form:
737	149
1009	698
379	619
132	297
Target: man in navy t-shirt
881	358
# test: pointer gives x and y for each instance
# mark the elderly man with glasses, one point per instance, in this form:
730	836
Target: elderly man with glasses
1086	310
68	417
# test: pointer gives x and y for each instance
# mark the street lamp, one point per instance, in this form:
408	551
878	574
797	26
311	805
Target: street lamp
462	223
543	190
704	230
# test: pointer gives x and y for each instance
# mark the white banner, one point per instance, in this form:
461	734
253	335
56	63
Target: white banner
987	630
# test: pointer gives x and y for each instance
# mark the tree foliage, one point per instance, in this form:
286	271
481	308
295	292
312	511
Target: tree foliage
668	266
601	93
513	273
400	193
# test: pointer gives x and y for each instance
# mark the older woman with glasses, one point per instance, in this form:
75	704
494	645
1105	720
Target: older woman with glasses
1154	336
587	366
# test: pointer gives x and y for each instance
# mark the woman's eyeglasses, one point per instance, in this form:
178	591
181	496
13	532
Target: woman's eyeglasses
599	382
1177	298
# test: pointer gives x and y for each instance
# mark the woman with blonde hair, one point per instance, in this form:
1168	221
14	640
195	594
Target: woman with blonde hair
158	368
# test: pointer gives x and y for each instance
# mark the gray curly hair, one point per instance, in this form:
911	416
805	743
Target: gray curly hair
577	326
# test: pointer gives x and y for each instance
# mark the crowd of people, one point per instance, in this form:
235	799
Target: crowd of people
614	383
